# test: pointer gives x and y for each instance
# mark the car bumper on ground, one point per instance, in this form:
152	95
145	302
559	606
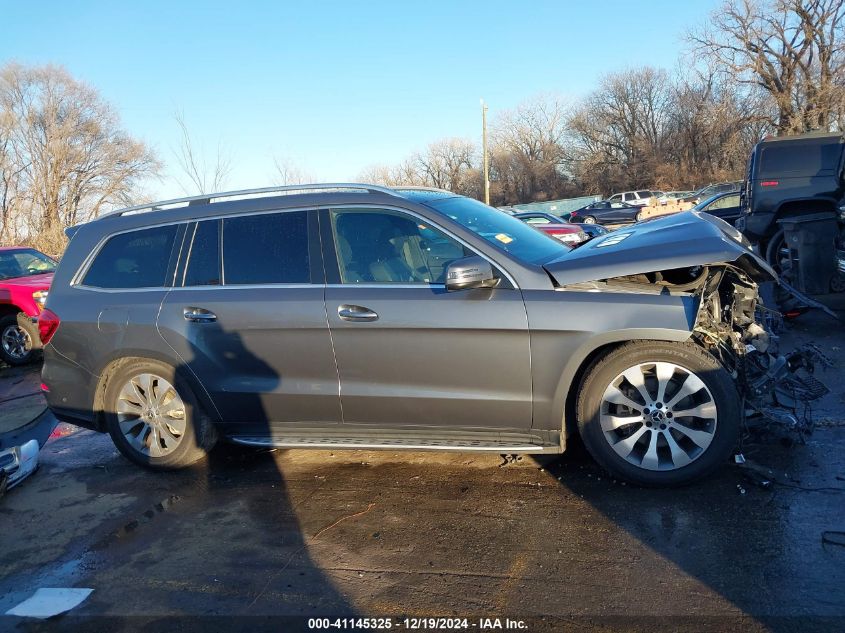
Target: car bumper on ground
19	448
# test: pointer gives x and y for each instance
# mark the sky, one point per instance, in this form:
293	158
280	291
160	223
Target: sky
334	87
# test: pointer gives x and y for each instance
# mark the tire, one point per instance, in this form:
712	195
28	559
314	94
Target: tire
143	419
588	219
19	340
667	455
773	251
639	217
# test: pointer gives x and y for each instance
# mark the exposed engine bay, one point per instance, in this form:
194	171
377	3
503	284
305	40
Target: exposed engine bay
735	327
740	331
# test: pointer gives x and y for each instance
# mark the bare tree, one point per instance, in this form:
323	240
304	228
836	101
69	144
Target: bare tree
620	130
445	163
203	176
527	152
406	172
64	156
287	172
792	49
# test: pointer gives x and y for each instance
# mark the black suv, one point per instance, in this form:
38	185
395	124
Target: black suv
793	183
791	176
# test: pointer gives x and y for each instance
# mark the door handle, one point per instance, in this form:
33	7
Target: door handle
356	313
198	315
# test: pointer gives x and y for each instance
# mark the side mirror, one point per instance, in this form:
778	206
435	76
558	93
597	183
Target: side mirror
470	272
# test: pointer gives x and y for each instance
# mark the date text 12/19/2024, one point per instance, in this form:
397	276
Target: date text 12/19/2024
417	624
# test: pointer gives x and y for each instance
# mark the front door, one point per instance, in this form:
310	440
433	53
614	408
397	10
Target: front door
409	353
247	316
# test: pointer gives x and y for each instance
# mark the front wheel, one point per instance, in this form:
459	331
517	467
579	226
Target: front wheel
154	418
640	216
19	340
658	414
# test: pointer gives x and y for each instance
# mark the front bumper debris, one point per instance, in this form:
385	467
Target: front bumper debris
19	449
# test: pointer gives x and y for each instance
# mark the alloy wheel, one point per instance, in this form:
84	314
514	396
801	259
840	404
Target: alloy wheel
658	416
151	415
16	342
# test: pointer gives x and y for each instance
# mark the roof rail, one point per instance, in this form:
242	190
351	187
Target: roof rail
209	197
419	188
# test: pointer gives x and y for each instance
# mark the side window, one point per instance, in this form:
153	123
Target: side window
203	246
537	219
270	248
725	203
390	247
137	259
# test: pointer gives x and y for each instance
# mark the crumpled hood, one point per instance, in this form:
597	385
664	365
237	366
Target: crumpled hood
689	238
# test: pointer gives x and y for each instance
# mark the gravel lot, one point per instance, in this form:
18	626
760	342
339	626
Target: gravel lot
554	542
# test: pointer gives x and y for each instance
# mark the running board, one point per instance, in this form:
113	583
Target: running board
513	444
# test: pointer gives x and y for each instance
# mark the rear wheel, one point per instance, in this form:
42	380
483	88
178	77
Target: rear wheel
777	252
19	342
640	216
588	219
154	418
658	414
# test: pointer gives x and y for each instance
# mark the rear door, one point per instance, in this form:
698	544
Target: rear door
247	316
409	353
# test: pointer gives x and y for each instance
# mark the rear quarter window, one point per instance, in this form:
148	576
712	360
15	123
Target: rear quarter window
799	159
136	259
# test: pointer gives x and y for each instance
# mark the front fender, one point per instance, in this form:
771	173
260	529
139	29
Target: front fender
569	327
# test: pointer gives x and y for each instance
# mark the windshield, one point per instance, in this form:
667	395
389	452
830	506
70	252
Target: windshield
24	263
703	204
505	232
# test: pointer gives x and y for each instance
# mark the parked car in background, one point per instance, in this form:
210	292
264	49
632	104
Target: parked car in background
722	205
556	226
673	196
594	230
571	234
635	198
25	277
788	177
711	190
607	212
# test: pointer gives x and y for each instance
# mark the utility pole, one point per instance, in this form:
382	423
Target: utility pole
484	152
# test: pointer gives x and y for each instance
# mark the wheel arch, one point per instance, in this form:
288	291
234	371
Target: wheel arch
590	352
7	309
116	361
803	206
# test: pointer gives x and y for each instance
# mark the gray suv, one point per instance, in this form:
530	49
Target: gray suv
357	316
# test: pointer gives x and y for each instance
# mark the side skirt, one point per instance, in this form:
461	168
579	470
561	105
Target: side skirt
341	437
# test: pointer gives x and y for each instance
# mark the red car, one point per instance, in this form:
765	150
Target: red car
569	234
25	276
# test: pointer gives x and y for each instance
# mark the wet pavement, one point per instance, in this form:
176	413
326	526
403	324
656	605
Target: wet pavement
552	541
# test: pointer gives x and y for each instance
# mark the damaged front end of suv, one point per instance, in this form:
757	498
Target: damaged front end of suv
735	327
713	263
